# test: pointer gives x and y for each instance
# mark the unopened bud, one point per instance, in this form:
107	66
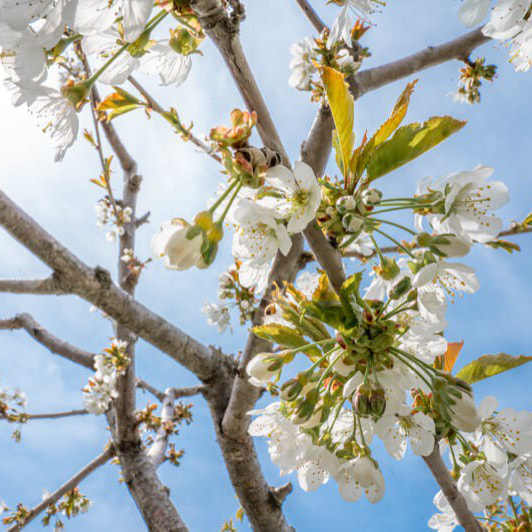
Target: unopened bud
362	400
377	402
346	204
371	196
352	223
400	288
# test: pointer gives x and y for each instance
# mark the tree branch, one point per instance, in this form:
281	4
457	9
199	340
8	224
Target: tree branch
313	17
48	340
315	152
49	286
159	110
224	33
66	487
95	286
447	484
373	78
56	415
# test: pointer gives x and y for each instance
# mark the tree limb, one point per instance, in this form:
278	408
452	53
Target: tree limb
95	285
448	486
373	78
48	286
66	487
313	17
48	340
224	33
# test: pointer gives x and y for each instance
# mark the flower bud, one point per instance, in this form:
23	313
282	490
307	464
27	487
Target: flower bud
77	93
346	204
400	288
362	400
263	367
203	220
180	250
371	196
377	402
352	223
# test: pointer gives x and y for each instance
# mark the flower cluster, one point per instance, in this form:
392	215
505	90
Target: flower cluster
12	408
492	463
264	201
231	294
377	357
109	366
309	54
71	504
45	48
471	76
509	22
110	213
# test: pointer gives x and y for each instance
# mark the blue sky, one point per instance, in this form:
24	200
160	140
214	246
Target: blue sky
177	182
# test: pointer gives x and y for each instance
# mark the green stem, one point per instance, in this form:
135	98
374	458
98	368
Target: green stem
328	369
399	245
395	225
414	369
419	206
379	252
361	430
224	195
230	202
399	309
416	360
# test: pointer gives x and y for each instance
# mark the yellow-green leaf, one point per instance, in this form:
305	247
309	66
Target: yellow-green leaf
342	106
280	334
397	116
409	142
489	365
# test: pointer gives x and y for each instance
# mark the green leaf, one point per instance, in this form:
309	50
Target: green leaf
363	153
409	142
280	334
489	365
342	106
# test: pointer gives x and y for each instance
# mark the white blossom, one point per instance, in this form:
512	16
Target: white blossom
217	315
301	194
469	200
416	426
446	520
172	244
301	64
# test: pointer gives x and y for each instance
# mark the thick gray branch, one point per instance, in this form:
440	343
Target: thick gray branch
447	484
224	33
460	48
66	487
95	285
313	17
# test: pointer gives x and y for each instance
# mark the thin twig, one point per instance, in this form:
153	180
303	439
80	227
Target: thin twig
65	488
56	415
313	17
49	286
159	110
